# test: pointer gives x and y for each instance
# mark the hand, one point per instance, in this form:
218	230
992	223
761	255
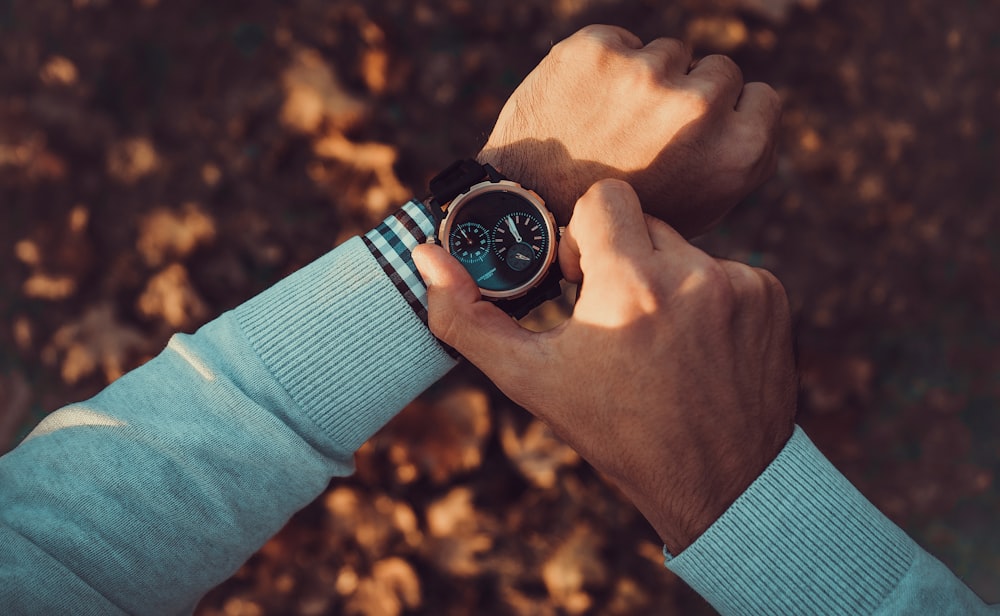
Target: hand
692	143
674	376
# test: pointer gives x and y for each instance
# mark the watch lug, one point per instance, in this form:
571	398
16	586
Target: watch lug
494	175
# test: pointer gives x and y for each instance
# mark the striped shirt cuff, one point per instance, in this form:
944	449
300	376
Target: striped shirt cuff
391	243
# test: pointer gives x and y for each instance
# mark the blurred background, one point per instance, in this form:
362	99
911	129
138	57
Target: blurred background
161	162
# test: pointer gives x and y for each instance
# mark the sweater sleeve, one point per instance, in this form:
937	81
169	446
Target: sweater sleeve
145	497
802	540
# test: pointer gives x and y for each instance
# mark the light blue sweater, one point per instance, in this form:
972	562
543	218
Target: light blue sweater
145	497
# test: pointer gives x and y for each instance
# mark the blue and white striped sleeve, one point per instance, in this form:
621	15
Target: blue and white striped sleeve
391	243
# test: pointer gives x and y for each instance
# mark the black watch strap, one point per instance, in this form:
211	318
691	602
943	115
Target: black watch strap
457	178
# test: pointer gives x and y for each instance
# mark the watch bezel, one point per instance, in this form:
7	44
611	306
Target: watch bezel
528	195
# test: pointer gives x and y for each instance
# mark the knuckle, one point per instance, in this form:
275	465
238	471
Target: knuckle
607	196
771	284
709	281
722	68
592	40
671	48
769	96
609	191
773	290
646	73
597	31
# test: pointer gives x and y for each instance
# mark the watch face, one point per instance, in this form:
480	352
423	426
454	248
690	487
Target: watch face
501	237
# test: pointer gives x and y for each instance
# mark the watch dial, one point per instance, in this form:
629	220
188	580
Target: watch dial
469	242
516	239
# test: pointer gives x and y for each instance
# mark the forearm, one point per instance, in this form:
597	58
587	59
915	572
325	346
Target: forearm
146	496
803	540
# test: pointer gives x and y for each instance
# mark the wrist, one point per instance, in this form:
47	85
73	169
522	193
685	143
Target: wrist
682	512
544	167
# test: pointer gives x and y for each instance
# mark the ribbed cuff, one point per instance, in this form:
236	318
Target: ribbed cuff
343	343
800	540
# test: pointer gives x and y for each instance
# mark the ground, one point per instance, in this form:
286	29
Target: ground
162	162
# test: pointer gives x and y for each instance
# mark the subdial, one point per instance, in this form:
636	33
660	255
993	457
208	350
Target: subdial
519	239
469	242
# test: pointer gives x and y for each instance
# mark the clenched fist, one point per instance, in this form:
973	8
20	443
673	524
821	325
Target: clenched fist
691	140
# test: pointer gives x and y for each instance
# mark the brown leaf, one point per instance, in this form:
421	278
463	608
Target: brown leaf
776	10
373	523
130	160
313	93
721	34
374	162
442	439
166	234
170	297
458	533
97	341
537	452
575	564
392	586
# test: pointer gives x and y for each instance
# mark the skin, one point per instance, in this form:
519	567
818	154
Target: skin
676	377
691	138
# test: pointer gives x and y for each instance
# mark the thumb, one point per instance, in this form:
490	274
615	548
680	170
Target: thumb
459	317
607	223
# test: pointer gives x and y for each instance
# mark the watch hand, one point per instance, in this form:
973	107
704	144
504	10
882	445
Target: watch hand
513	229
464	234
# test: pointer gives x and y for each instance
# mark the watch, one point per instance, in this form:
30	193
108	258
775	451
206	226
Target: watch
500	231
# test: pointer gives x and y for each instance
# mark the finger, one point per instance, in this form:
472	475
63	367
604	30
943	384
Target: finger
758	112
459	317
752	283
741	276
614	36
607	222
673	55
664	237
760	102
719	78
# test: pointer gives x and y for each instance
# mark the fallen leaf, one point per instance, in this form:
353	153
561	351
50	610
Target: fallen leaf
393	586
371	162
458	534
166	234
373	523
130	160
170	297
537	452
313	93
721	34
575	564
440	439
776	10
97	341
